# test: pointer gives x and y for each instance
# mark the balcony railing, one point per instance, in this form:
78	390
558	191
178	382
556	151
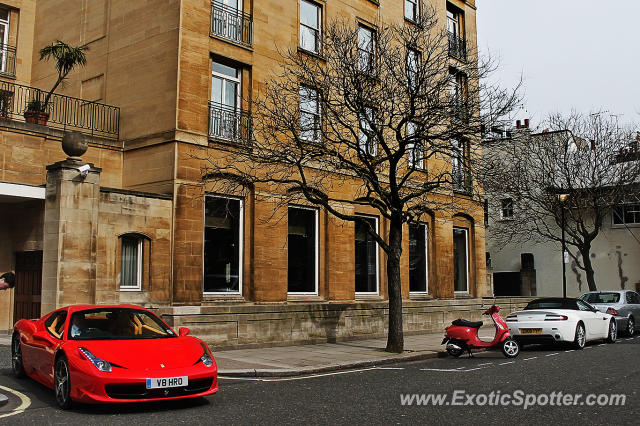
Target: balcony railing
7	60
62	112
459	110
457	47
461	180
231	24
228	124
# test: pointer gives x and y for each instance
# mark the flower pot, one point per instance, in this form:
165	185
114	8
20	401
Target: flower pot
36	117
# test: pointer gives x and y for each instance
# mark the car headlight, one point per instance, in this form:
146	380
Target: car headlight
100	364
206	358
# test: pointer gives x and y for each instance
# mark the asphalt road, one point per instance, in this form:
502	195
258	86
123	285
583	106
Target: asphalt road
373	395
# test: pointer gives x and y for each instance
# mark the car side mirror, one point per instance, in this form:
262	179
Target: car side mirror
183	331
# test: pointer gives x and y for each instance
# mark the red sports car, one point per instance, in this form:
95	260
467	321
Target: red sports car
123	353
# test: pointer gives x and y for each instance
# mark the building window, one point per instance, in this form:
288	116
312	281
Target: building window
453	20
460	260
310	20
627	213
229	22
366	137
457	45
457	94
222	245
131	262
459	174
506	208
366	257
366	49
4	39
413	63
418	258
415	148
227	121
303	251
309	114
411	11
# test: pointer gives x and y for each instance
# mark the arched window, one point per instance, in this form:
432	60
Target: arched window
132	260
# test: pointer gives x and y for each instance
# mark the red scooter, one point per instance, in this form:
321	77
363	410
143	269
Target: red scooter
462	336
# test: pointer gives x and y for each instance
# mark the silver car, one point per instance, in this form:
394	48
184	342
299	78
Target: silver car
626	303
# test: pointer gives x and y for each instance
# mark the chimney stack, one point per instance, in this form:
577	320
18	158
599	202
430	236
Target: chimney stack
526	123
518	126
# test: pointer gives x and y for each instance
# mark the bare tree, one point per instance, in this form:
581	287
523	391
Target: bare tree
574	173
384	119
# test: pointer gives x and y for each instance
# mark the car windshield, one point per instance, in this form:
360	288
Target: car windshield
552	304
116	324
601	297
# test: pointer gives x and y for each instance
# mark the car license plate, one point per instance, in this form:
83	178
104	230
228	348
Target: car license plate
531	331
167	382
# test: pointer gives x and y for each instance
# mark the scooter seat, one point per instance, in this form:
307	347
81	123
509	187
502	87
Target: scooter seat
465	323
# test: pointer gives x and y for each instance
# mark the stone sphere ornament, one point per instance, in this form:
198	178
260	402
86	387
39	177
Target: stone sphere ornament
74	144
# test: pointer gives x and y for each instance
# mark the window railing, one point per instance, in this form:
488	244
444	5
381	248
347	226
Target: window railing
229	124
231	24
7	60
461	179
457	47
459	110
24	103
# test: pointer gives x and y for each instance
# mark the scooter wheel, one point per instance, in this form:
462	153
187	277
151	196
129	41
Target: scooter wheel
454	352
510	348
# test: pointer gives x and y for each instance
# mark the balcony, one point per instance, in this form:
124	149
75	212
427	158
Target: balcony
231	24
7	60
457	47
62	112
229	124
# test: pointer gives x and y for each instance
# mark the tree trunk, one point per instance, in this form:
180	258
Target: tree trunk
395	337
588	268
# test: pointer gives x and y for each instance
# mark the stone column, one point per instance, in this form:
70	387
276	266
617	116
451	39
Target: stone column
70	234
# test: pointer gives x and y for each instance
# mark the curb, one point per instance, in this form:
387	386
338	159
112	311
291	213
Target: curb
292	372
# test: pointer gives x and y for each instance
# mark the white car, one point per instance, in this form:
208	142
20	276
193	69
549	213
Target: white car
561	320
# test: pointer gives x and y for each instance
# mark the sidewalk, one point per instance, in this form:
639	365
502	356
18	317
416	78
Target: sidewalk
307	359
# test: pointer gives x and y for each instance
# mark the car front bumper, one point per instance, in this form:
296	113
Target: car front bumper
119	386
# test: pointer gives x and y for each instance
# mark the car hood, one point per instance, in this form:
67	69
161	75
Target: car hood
146	354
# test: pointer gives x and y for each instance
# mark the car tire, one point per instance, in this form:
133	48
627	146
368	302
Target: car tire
613	331
17	365
62	383
510	348
631	327
580	339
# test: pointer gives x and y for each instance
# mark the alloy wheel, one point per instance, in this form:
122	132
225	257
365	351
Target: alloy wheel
580	337
631	326
62	383
613	331
510	348
16	357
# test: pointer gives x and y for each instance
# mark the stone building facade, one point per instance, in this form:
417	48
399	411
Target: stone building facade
141	226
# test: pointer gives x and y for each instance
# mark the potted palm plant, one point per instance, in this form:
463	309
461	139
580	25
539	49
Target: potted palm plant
66	58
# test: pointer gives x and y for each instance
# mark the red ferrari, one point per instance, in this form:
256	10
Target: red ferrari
123	353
